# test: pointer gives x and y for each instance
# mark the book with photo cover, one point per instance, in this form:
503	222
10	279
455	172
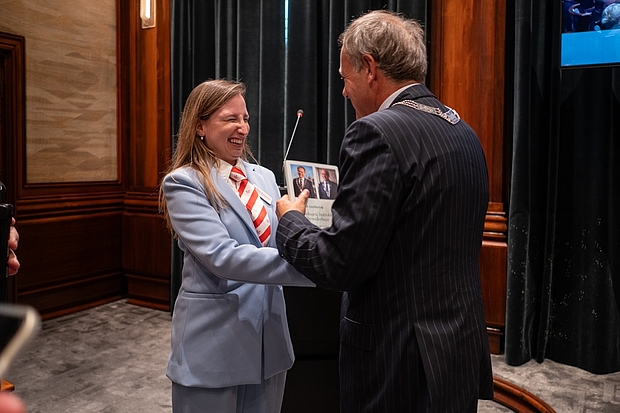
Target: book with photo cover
321	180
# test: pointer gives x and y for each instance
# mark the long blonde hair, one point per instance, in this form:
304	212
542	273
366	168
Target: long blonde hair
202	102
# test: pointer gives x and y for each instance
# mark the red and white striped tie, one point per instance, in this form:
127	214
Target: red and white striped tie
249	196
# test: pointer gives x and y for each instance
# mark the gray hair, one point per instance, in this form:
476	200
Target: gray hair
394	41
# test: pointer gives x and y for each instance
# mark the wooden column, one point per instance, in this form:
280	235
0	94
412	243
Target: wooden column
467	64
144	110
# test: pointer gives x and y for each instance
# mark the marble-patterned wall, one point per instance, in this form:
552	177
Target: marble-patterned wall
71	87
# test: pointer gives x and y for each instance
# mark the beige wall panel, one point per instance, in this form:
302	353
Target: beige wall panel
71	97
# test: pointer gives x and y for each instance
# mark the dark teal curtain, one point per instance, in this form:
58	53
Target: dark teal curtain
563	295
287	64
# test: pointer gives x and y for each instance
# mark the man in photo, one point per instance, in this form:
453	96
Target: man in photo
301	182
327	188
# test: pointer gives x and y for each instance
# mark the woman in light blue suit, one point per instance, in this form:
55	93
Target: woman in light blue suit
230	343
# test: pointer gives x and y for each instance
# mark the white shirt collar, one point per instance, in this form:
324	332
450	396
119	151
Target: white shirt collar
224	168
387	102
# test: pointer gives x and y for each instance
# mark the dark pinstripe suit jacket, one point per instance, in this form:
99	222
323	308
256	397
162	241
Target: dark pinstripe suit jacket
404	247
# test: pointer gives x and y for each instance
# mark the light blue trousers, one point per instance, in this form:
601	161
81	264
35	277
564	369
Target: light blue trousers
265	397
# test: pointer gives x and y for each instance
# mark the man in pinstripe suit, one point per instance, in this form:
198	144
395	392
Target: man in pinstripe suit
405	241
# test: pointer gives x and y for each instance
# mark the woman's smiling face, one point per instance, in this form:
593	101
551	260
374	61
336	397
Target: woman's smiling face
226	130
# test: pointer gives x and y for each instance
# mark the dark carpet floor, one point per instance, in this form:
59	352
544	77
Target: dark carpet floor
112	359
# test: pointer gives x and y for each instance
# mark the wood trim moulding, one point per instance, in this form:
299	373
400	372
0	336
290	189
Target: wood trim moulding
26	190
518	399
68	205
78	308
496	340
493	274
148	291
495	225
142	201
78	293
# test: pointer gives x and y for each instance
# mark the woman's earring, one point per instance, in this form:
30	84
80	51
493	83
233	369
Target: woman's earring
202	138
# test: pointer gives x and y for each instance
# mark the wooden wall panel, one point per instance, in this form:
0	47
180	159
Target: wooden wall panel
66	298
71	88
467	72
145	97
147	263
12	107
70	240
467	64
70	255
90	245
493	260
83	244
144	56
12	115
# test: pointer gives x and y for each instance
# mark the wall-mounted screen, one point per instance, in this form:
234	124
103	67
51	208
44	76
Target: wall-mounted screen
590	33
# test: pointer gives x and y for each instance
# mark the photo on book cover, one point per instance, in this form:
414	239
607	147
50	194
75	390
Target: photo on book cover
321	181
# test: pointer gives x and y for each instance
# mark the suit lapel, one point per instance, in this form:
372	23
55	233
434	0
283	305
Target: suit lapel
239	208
235	203
255	177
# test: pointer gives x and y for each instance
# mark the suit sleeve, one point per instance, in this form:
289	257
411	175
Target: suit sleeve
202	232
345	255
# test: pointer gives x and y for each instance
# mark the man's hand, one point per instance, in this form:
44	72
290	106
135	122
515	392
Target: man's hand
283	205
13	263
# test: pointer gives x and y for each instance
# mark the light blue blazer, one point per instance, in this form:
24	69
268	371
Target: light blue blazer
229	323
